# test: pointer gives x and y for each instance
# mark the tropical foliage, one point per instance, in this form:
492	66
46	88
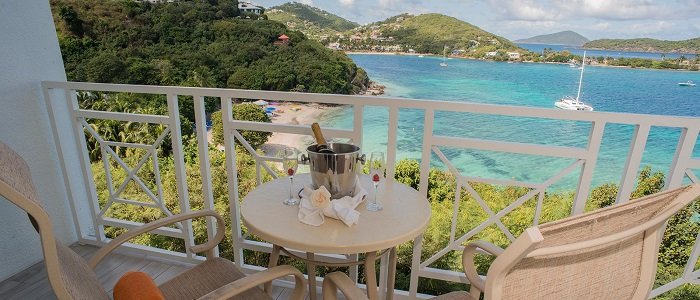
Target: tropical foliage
245	112
200	43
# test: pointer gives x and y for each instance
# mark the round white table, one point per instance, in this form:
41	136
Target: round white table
405	215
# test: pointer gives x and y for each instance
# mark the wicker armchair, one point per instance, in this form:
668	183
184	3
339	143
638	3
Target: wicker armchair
610	253
72	278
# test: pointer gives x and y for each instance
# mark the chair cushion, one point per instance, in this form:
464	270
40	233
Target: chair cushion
455	296
137	286
205	278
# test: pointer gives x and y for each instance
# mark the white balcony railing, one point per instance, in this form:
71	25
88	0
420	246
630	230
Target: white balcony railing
90	219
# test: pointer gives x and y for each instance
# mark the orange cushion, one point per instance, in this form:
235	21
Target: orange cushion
137	286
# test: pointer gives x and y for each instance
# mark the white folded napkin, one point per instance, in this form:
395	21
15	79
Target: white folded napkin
315	205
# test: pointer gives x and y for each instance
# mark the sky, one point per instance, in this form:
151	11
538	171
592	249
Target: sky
516	19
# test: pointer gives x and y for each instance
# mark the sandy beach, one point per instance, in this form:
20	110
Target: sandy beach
294	114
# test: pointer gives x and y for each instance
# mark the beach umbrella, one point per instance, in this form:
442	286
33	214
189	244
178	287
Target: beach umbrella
260	102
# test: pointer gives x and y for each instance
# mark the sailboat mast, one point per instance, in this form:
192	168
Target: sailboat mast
580	79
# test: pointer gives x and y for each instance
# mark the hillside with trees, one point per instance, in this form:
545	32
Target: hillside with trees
427	33
646	45
567	37
313	22
194	43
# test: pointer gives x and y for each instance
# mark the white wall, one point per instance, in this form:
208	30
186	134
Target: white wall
29	54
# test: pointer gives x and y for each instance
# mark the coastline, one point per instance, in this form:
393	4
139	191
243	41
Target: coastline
524	61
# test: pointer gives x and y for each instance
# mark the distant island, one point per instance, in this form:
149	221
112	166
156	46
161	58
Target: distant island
567	37
646	45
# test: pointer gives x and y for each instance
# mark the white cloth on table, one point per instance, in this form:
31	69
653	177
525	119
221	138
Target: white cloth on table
315	205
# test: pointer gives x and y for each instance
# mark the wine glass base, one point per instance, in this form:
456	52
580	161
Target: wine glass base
374	207
291	202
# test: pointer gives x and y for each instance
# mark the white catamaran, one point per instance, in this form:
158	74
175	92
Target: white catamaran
444	57
571	103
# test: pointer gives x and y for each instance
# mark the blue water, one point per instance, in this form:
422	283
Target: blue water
538	48
523	84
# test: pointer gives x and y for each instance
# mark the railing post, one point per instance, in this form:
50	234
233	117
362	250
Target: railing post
684	151
634	158
59	143
85	164
427	146
180	173
584	183
358	110
391	143
200	116
232	180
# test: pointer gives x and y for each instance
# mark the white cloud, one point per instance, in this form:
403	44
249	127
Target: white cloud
347	3
543	10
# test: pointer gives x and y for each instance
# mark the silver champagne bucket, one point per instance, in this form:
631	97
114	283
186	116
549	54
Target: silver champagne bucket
336	171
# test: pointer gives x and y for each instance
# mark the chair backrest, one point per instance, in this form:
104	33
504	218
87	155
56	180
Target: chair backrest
69	274
610	253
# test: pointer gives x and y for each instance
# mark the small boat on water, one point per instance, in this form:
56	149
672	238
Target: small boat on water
421	55
687	83
571	103
444	57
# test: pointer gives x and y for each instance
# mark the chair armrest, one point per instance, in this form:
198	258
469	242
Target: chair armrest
241	285
338	280
124	237
468	261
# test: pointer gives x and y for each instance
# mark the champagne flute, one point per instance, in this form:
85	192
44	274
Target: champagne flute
290	163
376	172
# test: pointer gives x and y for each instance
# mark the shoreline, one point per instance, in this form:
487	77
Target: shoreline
295	113
530	62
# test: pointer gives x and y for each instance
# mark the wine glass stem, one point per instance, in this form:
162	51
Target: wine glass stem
376	184
291	187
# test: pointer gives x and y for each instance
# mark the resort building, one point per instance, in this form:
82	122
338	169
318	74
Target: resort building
491	54
250	7
513	55
335	46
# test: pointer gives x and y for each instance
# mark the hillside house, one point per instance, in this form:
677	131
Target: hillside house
250	7
491	54
335	46
513	55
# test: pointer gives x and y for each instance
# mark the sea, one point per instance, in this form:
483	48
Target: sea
539	48
607	89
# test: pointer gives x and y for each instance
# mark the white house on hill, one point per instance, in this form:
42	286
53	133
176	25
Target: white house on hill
250	7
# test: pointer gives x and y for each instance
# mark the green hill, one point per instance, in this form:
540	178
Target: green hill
568	38
429	33
646	45
194	43
313	21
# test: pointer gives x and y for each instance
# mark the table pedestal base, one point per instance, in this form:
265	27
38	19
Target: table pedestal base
369	263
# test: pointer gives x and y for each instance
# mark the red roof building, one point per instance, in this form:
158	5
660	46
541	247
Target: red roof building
282	40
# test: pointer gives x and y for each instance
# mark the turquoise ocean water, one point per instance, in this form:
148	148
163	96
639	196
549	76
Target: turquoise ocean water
523	84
